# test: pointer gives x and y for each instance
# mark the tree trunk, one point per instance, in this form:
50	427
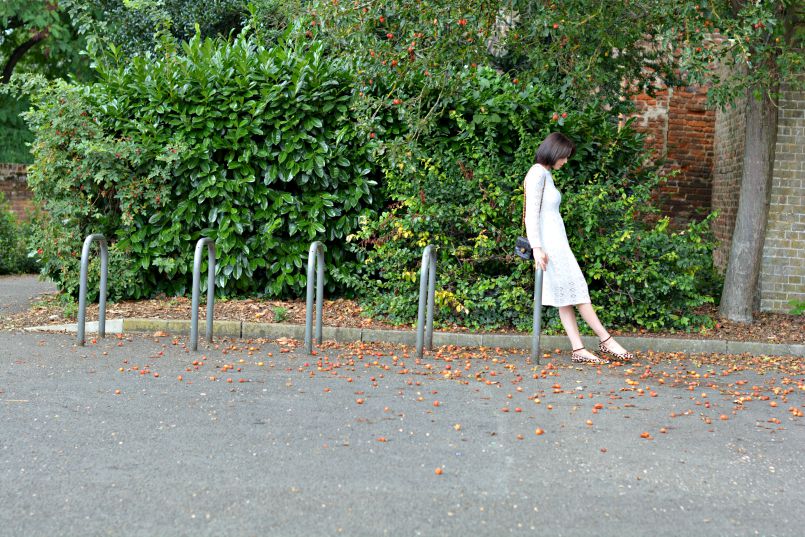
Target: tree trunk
746	252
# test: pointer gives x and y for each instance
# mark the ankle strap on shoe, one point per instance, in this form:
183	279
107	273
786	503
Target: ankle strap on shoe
607	339
579	349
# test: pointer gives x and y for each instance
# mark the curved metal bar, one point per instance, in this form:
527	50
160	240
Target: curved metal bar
315	256
82	292
210	244
427	284
535	333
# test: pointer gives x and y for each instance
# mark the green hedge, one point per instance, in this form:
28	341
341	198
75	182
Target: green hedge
254	147
460	188
266	149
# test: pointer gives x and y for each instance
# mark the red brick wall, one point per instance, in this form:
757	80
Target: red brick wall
680	130
14	186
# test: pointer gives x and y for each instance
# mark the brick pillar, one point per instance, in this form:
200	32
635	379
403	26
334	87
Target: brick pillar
730	129
782	274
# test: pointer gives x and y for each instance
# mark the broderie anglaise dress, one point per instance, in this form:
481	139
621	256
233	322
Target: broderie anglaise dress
563	283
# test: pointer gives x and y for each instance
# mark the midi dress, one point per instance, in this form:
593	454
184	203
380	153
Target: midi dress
563	283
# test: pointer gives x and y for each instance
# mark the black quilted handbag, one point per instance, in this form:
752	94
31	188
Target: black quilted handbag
523	248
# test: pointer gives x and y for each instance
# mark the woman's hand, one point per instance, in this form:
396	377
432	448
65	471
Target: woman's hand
540	258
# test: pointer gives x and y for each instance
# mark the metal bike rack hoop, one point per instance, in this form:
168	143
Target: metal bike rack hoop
427	290
315	257
210	244
82	292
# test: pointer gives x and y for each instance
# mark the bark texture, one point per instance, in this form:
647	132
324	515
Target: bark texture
746	253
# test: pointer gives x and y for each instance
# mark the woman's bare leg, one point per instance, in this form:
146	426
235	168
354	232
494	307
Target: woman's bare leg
568	317
589	316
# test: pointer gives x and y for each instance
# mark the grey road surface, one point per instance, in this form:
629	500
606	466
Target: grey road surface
18	292
352	446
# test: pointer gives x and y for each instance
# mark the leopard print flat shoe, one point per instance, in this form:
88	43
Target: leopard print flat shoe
621	357
581	359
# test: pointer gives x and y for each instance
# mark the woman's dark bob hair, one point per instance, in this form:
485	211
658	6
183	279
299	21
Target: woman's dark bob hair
555	147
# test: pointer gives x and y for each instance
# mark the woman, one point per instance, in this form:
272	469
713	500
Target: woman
563	283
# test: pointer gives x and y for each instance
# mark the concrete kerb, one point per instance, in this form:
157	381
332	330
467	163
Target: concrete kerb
797	350
113	326
404	337
181	326
458	338
273	331
240	329
688	346
756	347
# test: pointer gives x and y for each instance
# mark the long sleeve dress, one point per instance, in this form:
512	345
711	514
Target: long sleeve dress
563	283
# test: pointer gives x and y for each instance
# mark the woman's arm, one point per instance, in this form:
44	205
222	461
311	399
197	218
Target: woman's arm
534	187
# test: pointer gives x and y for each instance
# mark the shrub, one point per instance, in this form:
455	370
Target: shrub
252	146
261	147
460	188
13	248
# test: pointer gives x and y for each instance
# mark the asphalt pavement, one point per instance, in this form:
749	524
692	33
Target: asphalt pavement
107	439
18	292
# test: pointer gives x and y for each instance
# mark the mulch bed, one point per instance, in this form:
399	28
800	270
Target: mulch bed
766	327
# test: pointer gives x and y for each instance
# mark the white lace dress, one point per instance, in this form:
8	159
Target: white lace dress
563	283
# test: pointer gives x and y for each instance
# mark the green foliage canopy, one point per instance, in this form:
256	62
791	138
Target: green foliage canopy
251	146
133	25
585	50
266	149
35	36
460	188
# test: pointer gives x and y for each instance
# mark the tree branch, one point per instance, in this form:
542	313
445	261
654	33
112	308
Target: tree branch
19	52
